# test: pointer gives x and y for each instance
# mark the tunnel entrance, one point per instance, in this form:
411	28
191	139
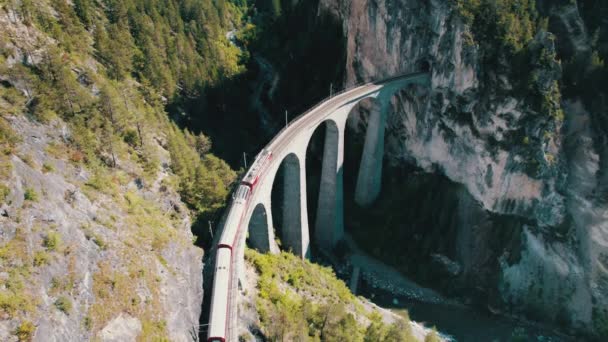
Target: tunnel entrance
423	65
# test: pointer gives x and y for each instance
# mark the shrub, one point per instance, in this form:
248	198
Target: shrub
27	158
87	323
47	167
100	242
25	331
285	287
432	336
41	258
154	331
30	195
4	192
52	241
8	137
14	299
64	304
131	137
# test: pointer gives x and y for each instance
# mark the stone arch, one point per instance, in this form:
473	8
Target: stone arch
329	219
259	229
293	223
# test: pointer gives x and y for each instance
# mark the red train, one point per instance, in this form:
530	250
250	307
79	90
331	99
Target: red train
224	263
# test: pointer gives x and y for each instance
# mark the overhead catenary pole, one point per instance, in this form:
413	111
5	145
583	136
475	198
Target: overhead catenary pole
331	89
245	159
210	230
286	120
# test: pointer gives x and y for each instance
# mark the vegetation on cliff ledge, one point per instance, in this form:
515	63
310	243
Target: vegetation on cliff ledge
301	301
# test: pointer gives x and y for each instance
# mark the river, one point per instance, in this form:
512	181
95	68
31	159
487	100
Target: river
390	289
462	323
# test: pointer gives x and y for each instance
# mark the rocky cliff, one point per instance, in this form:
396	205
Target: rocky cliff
537	166
95	230
79	262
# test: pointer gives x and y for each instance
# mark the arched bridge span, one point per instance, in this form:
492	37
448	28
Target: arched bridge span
251	210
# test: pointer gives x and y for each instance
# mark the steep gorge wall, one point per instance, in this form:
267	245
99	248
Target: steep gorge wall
472	128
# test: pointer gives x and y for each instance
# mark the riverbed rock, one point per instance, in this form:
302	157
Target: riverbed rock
448	266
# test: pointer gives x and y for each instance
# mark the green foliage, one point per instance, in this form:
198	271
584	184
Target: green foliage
551	103
376	330
4	192
8	137
149	222
41	258
100	242
52	241
432	336
27	158
399	331
504	30
15	299
25	331
84	10
115	48
204	182
30	195
175	45
596	61
64	304
600	321
131	137
506	23
47	167
302	275
151	330
286	286
118	290
172	48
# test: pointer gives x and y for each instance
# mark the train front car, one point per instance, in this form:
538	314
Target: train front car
235	216
218	320
260	163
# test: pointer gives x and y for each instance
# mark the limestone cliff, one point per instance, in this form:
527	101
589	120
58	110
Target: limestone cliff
97	244
474	128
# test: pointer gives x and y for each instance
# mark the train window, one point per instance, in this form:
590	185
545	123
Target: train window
243	192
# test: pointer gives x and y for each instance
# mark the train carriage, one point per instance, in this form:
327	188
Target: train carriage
256	170
220	298
218	319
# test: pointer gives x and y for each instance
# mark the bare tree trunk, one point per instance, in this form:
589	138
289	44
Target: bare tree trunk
141	137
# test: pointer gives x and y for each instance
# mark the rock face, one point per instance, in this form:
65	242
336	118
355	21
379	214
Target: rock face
116	283
87	253
509	160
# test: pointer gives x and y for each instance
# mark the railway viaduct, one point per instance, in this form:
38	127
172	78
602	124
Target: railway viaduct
289	148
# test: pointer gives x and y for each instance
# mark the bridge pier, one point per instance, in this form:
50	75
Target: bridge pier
369	179
295	218
329	225
261	232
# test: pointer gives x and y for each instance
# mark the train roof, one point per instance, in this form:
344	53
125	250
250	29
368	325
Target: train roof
257	164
